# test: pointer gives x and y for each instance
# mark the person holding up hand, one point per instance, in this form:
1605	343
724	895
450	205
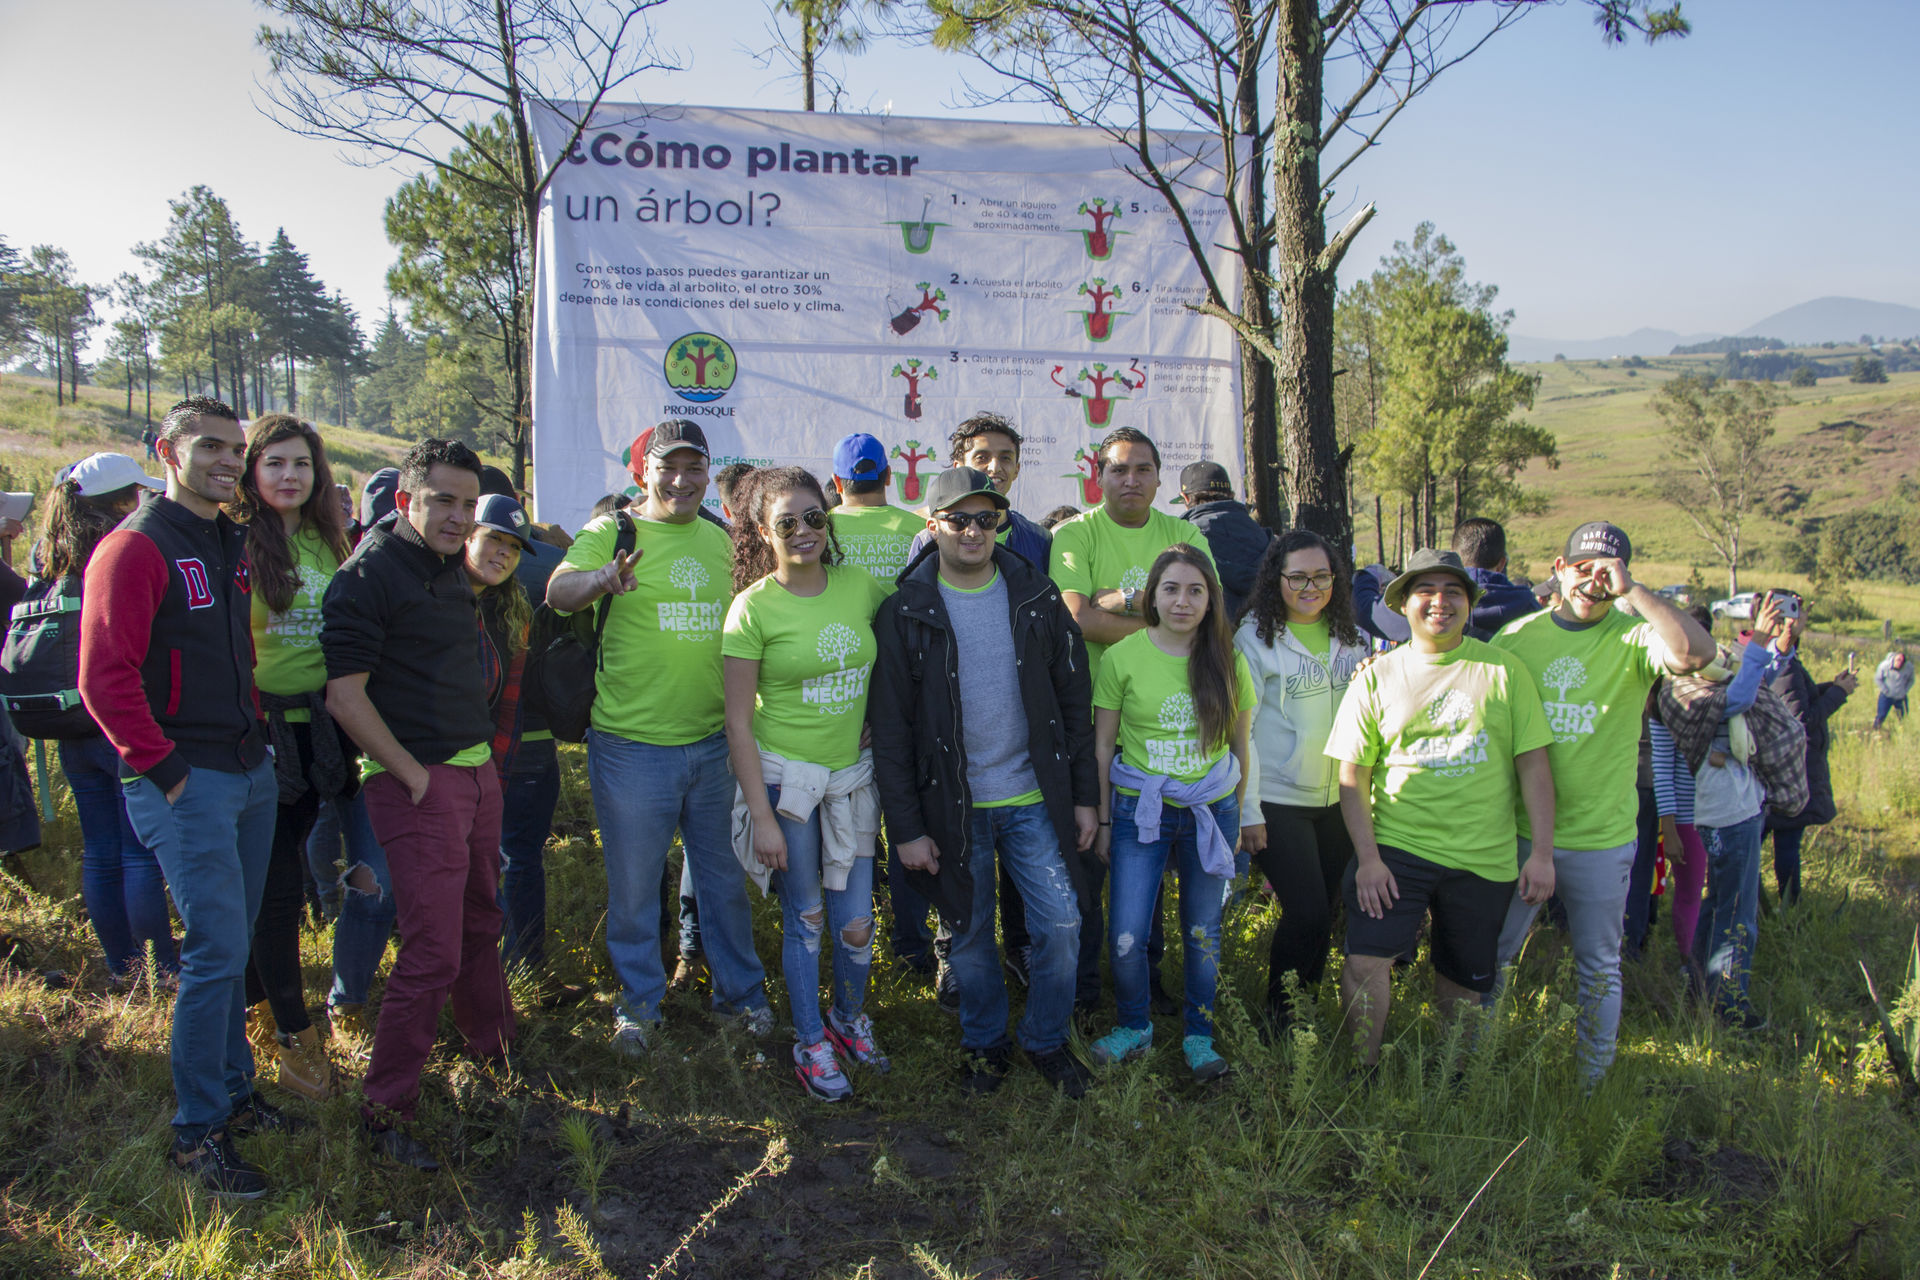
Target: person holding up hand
1436	740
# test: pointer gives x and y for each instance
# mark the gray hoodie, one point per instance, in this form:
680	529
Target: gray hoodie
1891	681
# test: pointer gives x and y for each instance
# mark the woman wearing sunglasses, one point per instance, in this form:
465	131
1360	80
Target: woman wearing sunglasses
1302	645
798	648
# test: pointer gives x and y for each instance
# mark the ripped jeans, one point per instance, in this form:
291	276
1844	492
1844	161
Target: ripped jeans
808	909
364	890
1136	872
1021	839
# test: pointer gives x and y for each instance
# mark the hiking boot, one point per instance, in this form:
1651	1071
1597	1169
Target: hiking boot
1122	1044
1018	963
218	1167
633	1039
984	1070
262	1033
1203	1060
819	1071
303	1066
854	1038
350	1031
1063	1071
946	989
257	1115
687	972
402	1148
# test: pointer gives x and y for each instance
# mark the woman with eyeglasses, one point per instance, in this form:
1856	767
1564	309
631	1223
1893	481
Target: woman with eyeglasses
1303	646
798	648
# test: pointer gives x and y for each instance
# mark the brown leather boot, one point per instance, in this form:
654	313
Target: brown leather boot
352	1031
262	1033
304	1067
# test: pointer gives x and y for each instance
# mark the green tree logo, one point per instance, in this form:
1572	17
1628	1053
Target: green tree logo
700	367
1134	579
1452	710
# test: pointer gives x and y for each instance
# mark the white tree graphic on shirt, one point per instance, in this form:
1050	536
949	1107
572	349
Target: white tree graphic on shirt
837	643
1134	579
1177	714
1451	710
688	574
1564	674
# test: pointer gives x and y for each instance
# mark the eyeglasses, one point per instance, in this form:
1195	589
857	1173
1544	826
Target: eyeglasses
786	526
1301	581
961	521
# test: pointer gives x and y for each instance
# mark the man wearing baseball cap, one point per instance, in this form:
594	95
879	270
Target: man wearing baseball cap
873	533
1237	540
982	719
1594	665
1437	741
657	749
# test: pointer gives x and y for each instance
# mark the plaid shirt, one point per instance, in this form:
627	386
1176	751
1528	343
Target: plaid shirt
1692	708
503	693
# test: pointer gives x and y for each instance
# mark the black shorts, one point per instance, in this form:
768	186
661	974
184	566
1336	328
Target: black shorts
1468	912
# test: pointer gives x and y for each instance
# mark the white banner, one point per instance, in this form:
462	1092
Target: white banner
785	278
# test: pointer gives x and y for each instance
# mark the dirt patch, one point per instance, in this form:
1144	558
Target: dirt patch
1735	1178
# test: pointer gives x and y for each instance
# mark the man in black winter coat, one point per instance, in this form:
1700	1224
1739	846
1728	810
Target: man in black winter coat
1012	774
1482	546
1812	703
1238	541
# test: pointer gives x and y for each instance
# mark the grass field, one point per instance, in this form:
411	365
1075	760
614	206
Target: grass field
1843	444
1787	1153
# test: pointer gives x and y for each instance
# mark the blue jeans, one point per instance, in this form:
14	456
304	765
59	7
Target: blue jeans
803	894
213	843
1136	872
364	916
1730	912
642	793
1886	704
1029	849
527	799
120	879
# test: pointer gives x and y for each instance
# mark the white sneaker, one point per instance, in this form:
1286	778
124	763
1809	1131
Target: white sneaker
632	1039
819	1071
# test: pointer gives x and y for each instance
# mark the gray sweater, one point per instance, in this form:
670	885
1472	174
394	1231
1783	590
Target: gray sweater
993	727
1893	682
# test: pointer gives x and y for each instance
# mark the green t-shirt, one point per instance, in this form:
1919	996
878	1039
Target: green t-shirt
286	646
468	758
876	538
1593	682
1092	553
815	654
1315	637
1159	731
1440	732
660	675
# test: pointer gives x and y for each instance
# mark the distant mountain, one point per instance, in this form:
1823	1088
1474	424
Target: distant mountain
1836	320
1641	342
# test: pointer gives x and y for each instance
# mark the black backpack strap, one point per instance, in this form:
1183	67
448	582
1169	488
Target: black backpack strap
625	541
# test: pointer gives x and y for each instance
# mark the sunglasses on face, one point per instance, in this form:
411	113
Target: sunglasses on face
1301	581
961	521
785	526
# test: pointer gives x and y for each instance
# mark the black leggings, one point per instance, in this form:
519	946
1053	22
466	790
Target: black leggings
273	970
1305	860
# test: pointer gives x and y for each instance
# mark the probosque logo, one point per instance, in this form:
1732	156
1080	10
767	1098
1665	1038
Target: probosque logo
700	367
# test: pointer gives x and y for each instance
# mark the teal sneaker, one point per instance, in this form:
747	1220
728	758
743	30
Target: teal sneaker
1202	1060
1122	1044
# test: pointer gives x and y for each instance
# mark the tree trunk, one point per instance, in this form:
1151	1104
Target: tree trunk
806	58
293	392
1305	283
129	390
59	386
146	364
1400	533
1379	530
1259	429
1459	497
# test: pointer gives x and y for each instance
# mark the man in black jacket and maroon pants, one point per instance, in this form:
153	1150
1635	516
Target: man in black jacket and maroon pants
166	670
402	642
1015	776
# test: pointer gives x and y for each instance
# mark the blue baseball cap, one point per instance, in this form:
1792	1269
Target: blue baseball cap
859	457
498	511
377	499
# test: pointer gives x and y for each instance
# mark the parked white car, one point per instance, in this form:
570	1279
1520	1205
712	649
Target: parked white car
1740	606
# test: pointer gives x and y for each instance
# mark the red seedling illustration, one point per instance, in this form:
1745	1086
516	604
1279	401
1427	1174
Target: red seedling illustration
1100	241
910	483
909	319
1090	482
914	372
1099	321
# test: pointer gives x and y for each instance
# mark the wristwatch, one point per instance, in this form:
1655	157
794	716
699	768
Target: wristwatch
1127	597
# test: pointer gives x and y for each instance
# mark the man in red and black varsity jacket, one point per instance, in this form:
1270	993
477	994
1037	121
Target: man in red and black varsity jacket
166	670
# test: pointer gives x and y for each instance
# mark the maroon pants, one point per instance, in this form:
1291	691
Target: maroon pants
444	857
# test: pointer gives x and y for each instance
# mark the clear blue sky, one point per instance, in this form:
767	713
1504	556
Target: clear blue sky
1699	185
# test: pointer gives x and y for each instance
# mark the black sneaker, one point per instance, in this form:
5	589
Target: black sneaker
257	1115
402	1148
1063	1071
984	1070
219	1168
1018	962
946	989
